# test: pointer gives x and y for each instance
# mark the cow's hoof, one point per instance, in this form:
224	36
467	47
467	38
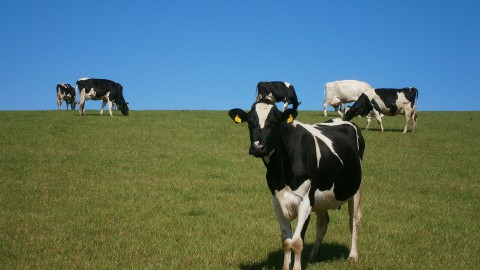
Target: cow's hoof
353	259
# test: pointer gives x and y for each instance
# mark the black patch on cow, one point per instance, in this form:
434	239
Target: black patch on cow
389	96
66	89
346	176
363	106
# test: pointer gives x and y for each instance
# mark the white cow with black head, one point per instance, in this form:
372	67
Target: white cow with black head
338	93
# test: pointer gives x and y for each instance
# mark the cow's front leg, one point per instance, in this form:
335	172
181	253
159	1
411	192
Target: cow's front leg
110	107
338	109
286	232
304	211
81	106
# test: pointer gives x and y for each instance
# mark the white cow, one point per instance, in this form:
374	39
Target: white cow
338	93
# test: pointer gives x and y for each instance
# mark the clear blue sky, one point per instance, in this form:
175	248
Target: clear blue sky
209	55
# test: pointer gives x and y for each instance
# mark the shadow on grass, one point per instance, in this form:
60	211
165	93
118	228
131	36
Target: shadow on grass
384	130
329	252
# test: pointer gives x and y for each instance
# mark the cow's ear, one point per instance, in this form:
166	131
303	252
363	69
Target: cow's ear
238	115
289	115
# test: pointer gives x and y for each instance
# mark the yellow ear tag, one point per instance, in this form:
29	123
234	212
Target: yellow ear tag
238	119
290	119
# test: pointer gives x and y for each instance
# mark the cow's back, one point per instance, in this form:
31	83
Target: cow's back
277	89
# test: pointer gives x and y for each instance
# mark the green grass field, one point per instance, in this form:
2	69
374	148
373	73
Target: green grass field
178	190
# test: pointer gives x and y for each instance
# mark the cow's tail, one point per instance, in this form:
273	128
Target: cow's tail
415	108
324	91
325	99
77	93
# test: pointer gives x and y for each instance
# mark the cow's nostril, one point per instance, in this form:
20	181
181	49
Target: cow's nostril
258	146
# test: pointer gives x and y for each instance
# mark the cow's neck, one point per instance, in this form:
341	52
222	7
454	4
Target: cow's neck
279	164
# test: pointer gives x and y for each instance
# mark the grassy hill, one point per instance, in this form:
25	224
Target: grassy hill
178	190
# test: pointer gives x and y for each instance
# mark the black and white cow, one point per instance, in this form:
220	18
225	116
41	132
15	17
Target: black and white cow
101	89
309	168
279	91
66	92
387	101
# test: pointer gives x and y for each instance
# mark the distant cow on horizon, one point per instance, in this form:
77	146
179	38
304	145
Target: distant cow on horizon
278	92
101	89
66	92
339	93
387	101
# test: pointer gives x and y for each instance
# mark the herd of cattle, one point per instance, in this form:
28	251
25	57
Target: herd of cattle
369	102
310	167
316	167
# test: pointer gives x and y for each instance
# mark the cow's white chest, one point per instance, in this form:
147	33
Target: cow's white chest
288	201
325	200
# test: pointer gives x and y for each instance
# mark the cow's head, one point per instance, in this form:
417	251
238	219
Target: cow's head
123	107
363	106
264	121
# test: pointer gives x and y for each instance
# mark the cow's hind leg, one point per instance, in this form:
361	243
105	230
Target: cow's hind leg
378	117
408	116
104	102
369	120
355	213
414	120
322	224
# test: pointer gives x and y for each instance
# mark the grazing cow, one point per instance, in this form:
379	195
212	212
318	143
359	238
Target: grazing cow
66	92
309	168
387	101
101	89
279	91
338	93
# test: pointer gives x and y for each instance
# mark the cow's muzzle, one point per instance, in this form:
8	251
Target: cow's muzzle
258	150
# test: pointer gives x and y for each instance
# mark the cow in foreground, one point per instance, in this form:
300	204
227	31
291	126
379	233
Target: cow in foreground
309	168
66	92
387	101
101	89
339	93
279	91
